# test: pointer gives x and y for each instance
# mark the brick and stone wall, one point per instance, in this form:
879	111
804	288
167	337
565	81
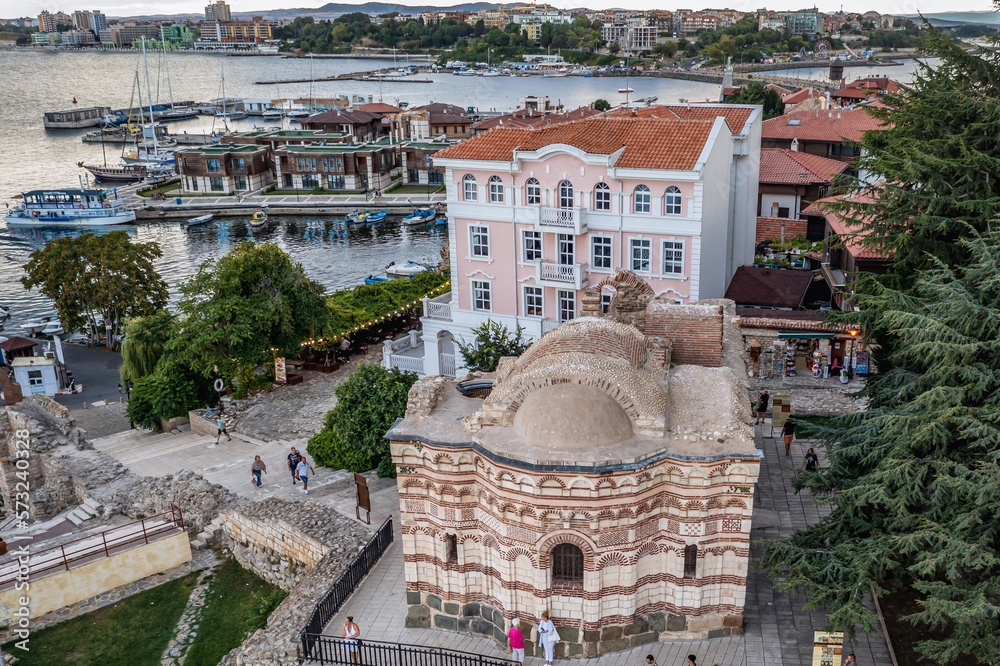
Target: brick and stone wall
695	331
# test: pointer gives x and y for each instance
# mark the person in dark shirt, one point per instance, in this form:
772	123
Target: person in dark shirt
763	399
812	461
788	432
293	460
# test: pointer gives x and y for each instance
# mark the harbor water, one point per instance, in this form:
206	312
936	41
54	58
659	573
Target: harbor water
38	81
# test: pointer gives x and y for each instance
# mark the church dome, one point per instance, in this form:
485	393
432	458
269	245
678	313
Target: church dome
571	417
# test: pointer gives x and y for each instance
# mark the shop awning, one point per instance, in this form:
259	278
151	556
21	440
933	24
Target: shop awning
804	335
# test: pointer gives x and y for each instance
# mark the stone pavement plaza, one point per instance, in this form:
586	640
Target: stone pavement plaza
778	632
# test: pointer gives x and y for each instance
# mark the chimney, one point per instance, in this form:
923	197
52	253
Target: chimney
795	145
838	115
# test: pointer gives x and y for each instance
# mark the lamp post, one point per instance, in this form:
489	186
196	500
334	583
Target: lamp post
850	363
125	388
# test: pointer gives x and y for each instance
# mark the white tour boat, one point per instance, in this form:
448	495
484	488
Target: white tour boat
75	208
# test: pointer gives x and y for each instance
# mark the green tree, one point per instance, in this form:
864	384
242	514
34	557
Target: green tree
602	104
353	434
493	341
237	309
97	282
912	481
727	45
143	343
755	93
614	48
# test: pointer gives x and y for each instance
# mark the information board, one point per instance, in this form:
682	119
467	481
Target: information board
828	646
781	409
279	370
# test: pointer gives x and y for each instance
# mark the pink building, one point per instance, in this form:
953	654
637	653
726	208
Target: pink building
537	215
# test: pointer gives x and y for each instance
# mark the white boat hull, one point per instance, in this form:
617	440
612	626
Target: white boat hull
70	221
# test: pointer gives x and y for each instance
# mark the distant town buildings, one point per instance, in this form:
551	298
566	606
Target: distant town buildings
218	11
92	20
47	22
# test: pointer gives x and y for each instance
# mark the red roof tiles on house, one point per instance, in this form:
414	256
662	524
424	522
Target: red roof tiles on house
379	107
835	125
773	287
850	232
649	143
801	96
864	88
780	166
735	116
769	228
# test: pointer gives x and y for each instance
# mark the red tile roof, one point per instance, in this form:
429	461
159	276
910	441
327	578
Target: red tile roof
736	116
780	166
789	320
15	343
863	88
649	143
834	125
379	107
769	228
774	287
851	233
801	95
440	112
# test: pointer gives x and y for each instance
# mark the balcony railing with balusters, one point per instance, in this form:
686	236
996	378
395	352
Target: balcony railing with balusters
439	307
562	275
563	219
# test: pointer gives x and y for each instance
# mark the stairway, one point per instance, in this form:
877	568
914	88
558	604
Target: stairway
134	446
89	509
206	537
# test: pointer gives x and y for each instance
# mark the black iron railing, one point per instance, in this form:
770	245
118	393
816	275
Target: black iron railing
332	650
342	588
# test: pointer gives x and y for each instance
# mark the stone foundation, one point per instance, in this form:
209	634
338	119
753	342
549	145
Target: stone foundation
431	611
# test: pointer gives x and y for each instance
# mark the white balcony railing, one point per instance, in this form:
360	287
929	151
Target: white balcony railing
562	275
408	363
563	219
439	307
447	362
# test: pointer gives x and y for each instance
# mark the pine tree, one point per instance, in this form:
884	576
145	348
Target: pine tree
914	481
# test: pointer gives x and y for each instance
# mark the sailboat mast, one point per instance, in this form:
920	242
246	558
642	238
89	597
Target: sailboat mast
310	83
149	97
142	116
222	68
166	64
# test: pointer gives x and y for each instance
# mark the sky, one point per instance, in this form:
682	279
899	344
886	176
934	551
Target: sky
16	8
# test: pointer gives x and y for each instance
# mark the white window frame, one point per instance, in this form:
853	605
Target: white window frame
537	298
535	236
533	198
469	193
676	267
638	243
560	193
606	301
563	296
606	241
647	206
496	189
602	187
478	230
672	200
483	300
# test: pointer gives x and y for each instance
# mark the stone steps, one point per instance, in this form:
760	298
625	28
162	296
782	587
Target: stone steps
164	447
206	537
83	513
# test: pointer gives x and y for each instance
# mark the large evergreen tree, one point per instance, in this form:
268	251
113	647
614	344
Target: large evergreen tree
916	477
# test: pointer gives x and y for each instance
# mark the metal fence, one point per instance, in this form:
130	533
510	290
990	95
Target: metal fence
331	650
342	588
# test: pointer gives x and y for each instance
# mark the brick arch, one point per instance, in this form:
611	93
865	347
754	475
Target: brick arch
581	541
613	339
443	458
735	501
527	511
559	481
615	559
516	552
648	548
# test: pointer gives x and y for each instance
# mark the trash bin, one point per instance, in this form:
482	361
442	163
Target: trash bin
177	201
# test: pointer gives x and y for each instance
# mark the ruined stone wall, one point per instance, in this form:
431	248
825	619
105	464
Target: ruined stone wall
695	331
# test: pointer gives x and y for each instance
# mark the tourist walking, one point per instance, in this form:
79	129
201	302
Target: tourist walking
812	461
256	468
548	637
293	462
691	660
221	423
350	632
763	399
788	432
303	471
650	660
516	640
851	659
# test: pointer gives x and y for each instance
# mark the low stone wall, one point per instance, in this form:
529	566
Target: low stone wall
201	425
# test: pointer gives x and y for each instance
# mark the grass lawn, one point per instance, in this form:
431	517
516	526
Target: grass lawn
414	189
133	632
165	188
232	611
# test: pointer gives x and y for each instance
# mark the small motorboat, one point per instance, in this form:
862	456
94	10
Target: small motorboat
419	216
53	327
4	311
357	217
404	270
195	221
258	220
35	326
371	219
375	279
442	221
625	90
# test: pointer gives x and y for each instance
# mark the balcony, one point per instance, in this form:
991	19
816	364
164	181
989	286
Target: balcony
562	220
565	276
438	307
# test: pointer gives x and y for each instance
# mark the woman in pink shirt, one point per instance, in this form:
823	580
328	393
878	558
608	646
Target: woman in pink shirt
516	642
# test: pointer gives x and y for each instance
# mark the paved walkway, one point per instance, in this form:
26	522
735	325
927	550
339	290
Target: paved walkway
778	632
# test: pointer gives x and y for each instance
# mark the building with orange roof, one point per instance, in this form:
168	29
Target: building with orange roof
866	88
538	214
791	180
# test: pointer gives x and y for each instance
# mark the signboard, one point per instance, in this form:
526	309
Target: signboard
778	359
862	362
364	499
827	648
57	343
781	409
279	370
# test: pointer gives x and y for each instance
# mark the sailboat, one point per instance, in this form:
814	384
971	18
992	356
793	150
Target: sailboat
231	115
175	113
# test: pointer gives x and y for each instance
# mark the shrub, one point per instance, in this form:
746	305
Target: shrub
493	342
162	395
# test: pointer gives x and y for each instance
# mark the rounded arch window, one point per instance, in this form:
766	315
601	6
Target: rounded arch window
602	197
534	191
469	188
642	199
565	194
496	190
672	201
567	565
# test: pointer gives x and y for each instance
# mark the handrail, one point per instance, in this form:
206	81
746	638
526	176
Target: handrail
108	542
336	650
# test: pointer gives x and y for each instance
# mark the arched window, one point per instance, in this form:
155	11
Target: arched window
565	194
496	190
534	191
642	198
567	565
602	197
672	201
469	185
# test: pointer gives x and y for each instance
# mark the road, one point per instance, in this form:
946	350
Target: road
96	370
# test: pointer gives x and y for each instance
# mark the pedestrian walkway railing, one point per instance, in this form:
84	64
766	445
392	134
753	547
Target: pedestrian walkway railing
342	588
106	543
331	650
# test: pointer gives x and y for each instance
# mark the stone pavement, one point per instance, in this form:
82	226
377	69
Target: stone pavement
778	632
187	627
810	395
